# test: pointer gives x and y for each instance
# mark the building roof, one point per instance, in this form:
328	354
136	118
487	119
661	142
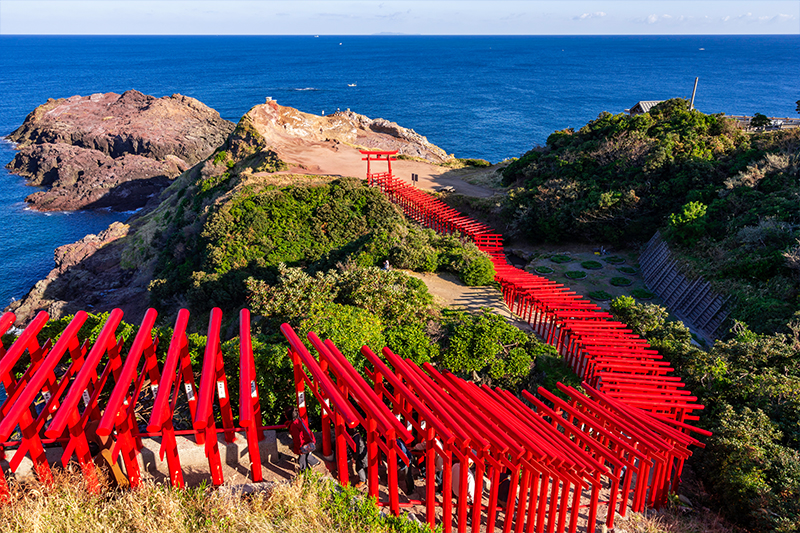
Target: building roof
643	106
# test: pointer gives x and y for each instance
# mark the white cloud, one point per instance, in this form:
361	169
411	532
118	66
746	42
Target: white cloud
763	19
586	16
340	17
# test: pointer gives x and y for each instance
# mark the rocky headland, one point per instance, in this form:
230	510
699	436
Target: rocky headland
83	143
110	150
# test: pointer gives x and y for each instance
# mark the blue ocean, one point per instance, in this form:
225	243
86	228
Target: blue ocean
490	97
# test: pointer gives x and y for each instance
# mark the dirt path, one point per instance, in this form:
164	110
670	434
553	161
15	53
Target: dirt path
448	290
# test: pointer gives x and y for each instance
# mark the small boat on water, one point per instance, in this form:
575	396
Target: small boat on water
351	84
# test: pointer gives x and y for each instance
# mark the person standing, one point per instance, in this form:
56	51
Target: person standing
360	457
303	441
404	469
456	484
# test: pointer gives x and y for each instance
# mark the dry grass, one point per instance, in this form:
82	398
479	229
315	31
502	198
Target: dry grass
674	520
306	505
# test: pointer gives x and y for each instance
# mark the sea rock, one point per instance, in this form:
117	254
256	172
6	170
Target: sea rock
70	255
130	123
80	178
111	150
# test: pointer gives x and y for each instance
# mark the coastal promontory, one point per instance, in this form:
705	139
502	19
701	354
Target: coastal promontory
131	266
111	150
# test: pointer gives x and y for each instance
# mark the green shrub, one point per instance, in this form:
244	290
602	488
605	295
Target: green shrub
349	328
757	479
475	162
600	295
560	259
617	179
392	296
551	369
471	265
410	341
478	271
689	224
544	270
487	345
575	274
750	385
258	228
627	270
592	265
295	294
642	318
614	260
620	281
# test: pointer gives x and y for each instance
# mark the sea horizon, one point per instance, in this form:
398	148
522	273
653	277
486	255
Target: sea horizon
476	96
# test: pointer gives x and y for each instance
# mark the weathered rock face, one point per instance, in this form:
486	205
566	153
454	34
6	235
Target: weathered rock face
87	276
130	123
279	125
110	150
79	178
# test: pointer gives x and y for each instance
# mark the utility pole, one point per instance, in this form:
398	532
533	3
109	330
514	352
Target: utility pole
691	104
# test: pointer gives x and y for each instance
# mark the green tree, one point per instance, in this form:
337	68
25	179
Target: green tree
489	346
689	225
759	121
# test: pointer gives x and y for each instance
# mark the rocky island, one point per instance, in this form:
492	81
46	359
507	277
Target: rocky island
110	150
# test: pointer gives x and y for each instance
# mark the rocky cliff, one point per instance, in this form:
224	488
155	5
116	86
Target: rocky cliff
110	150
281	125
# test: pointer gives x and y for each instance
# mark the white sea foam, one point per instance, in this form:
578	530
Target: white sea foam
11	144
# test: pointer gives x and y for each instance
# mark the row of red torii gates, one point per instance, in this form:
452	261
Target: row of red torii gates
624	439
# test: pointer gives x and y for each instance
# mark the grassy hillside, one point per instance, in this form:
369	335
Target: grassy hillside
619	177
306	505
236	232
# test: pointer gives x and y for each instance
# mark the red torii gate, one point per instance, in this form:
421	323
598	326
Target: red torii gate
551	461
598	349
379	179
60	376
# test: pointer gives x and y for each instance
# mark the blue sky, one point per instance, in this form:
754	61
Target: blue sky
427	17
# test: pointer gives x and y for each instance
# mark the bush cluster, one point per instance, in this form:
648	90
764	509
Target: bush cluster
248	233
726	200
620	177
488	346
746	240
750	386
